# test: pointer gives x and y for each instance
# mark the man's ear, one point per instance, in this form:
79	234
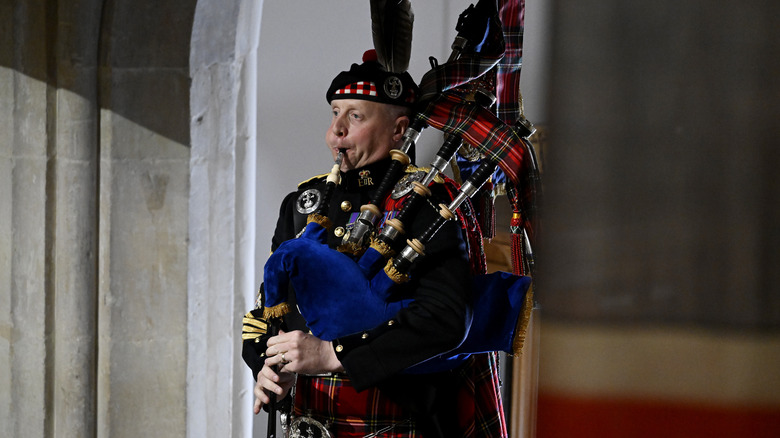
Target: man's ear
401	123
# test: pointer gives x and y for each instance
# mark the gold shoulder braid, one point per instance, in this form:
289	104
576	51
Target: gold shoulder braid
253	327
304	182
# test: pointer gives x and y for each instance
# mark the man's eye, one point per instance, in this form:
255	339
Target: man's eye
356	116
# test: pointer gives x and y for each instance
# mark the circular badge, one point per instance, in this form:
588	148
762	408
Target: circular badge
393	87
308	201
307	427
404	185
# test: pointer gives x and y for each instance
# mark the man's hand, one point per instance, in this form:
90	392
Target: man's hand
294	352
269	381
300	352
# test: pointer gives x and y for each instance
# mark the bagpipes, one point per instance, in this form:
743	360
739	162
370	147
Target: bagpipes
345	291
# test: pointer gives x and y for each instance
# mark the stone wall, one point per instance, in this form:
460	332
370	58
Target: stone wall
126	210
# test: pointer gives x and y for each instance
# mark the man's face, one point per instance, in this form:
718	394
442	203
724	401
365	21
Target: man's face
367	130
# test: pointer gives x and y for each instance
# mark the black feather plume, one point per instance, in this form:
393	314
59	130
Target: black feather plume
391	27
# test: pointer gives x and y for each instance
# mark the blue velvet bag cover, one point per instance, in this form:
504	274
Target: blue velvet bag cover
338	295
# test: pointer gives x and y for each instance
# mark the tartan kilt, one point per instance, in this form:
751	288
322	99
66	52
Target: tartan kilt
346	413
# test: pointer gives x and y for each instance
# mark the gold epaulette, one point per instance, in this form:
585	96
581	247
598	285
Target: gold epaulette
304	182
413	169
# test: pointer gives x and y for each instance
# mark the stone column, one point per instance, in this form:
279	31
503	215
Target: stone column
25	235
144	228
222	216
50	167
73	159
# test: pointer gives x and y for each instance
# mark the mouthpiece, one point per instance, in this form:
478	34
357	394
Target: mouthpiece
334	177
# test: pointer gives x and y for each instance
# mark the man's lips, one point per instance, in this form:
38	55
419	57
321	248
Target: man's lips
343	149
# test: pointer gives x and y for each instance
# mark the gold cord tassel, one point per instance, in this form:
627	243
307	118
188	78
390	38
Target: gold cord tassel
320	219
521	330
382	248
276	311
393	273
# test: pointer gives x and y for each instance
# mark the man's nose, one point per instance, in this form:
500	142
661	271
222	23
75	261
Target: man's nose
338	127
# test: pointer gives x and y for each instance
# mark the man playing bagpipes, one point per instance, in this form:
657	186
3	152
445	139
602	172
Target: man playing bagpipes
410	366
368	383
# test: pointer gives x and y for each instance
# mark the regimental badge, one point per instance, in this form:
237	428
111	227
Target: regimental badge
404	186
308	427
308	201
365	178
393	87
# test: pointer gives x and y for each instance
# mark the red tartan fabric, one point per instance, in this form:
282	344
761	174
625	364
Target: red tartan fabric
334	402
454	74
350	414
508	100
481	129
481	394
509	108
347	413
470	64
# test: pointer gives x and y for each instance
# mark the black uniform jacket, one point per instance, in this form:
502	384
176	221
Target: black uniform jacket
435	322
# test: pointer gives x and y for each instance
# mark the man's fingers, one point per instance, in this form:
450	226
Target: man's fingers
258	405
277	339
260	394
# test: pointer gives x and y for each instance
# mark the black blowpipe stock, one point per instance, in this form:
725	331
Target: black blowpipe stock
273	330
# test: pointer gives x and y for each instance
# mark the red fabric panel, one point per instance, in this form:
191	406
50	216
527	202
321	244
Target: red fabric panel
562	416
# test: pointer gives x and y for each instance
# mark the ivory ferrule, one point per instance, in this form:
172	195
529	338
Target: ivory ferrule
393	230
446	212
421	189
400	156
334	176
